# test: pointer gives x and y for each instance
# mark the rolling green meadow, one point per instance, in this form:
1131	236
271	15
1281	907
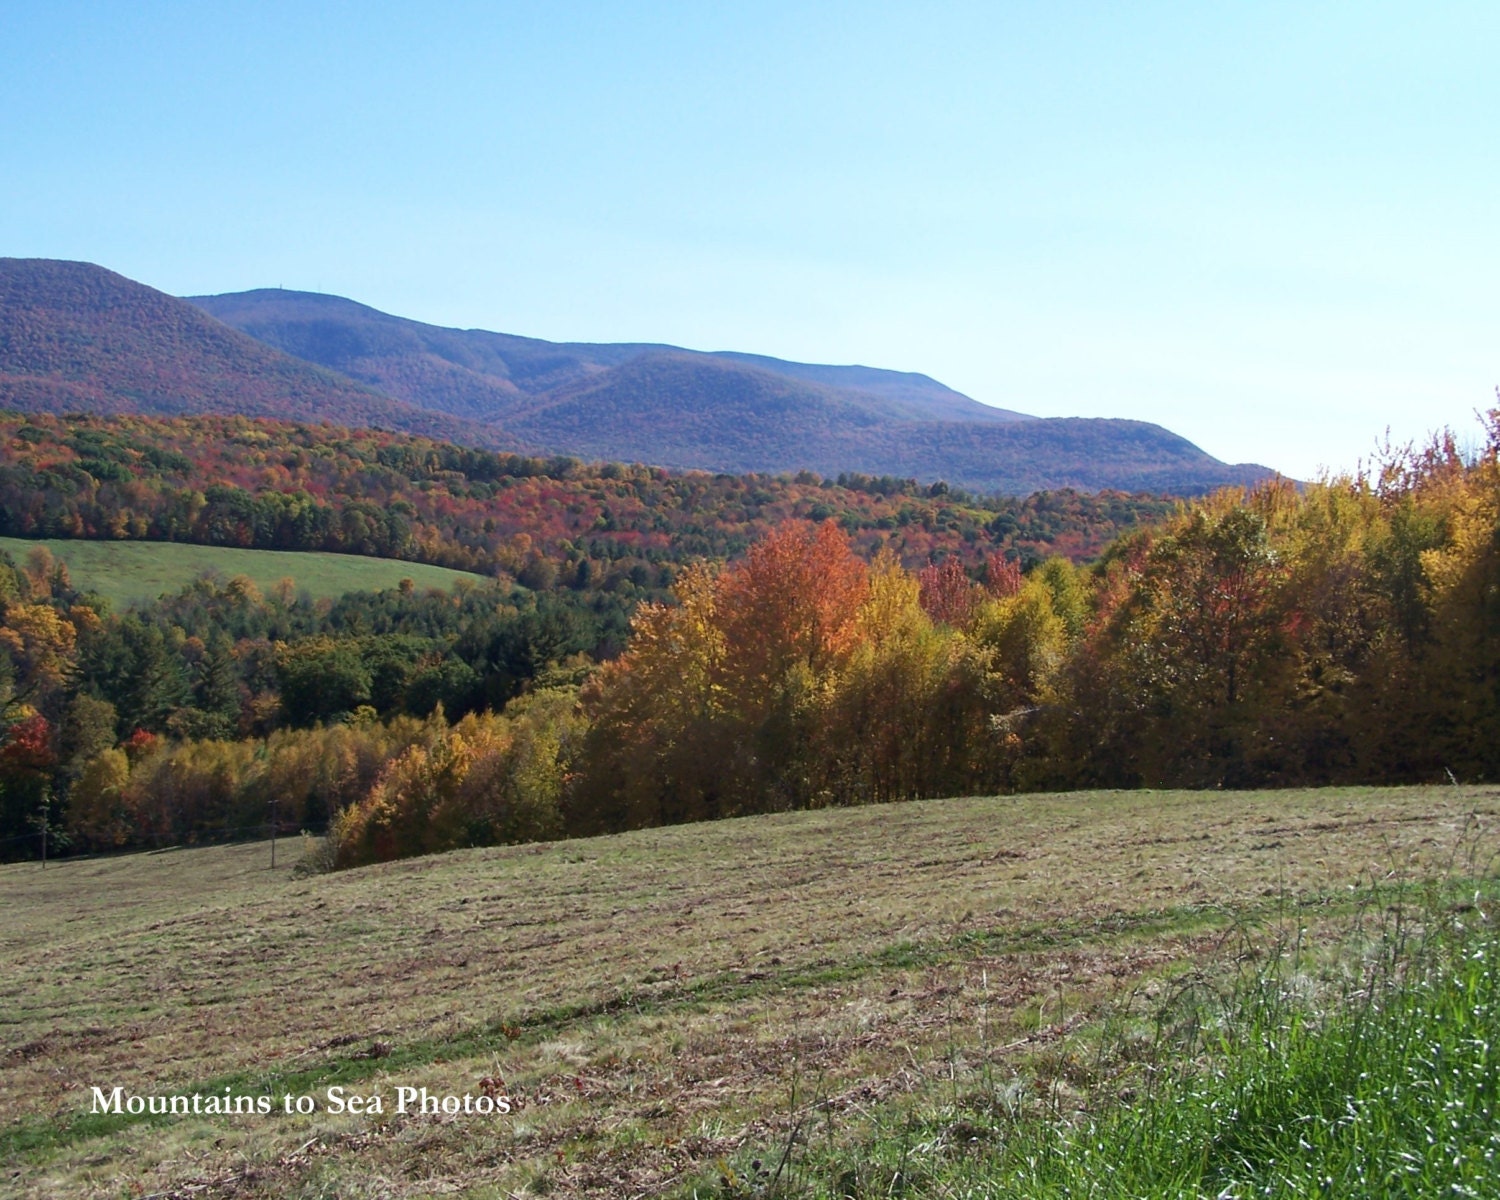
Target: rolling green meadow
126	573
884	1000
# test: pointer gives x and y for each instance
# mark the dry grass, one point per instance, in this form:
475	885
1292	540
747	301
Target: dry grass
652	998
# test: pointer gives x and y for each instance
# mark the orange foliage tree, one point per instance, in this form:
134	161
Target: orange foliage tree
800	676
789	605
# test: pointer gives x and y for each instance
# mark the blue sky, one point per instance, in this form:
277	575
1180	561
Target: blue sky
1270	227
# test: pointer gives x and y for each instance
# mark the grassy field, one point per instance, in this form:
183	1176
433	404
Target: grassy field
126	572
667	1007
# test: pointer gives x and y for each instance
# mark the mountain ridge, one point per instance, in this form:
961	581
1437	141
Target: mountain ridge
723	410
77	337
359	340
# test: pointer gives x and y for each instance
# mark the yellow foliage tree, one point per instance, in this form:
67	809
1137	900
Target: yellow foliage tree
97	808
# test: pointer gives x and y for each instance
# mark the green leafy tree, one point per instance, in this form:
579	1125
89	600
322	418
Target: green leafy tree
321	679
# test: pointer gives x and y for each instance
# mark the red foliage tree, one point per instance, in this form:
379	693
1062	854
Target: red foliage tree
28	745
1002	576
947	594
139	744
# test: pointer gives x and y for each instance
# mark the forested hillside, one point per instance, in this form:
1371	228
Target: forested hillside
478	373
1341	633
570	549
77	338
722	411
548	522
677	410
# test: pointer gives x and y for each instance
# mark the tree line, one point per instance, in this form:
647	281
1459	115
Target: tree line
1345	632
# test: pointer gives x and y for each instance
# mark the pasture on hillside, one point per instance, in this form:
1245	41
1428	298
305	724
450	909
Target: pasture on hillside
666	1007
130	572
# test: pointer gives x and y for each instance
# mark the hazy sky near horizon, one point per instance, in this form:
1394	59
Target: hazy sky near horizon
1270	227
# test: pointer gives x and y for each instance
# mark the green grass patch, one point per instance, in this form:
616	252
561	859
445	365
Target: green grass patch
130	572
1371	1076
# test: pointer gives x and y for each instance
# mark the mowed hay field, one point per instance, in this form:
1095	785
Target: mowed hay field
656	1002
129	572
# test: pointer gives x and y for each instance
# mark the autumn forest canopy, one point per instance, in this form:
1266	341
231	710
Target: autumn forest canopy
650	647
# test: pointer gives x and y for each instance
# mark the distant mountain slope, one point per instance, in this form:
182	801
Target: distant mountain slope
680	412
910	396
463	370
76	337
721	411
